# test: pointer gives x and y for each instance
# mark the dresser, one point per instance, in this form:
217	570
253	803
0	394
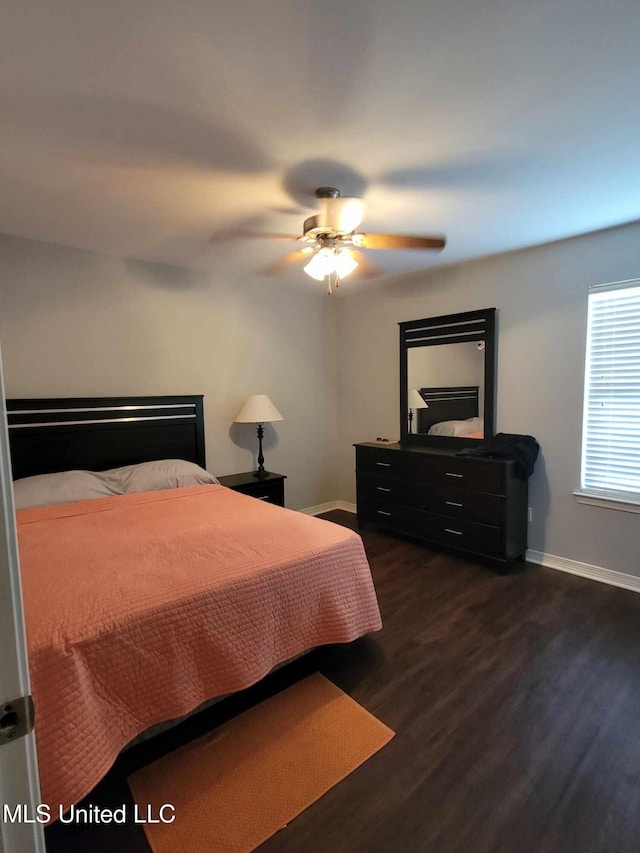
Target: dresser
475	505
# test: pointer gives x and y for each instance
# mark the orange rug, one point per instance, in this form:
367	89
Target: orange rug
239	785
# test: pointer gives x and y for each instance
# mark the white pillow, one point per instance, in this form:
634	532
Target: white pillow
160	474
457	428
70	486
473	425
62	488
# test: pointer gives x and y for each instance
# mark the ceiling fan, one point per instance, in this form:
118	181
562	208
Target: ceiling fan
334	245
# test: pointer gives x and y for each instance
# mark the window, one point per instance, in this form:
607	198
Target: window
611	421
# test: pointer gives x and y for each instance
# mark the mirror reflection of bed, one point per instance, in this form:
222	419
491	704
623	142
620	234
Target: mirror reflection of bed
446	411
445	386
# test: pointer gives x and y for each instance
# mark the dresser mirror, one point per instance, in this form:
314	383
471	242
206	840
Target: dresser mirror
447	379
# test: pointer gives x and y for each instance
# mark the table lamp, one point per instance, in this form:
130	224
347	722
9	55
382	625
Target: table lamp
258	410
416	401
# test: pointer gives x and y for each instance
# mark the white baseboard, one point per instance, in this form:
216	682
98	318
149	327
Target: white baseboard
585	570
328	506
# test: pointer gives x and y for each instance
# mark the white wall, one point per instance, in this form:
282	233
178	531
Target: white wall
541	295
75	323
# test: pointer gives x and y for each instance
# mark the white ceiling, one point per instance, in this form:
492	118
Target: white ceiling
169	130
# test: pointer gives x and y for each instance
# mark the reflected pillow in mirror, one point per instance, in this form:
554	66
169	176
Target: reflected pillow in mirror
458	429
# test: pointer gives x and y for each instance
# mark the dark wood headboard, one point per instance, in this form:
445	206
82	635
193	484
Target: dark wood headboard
97	433
447	404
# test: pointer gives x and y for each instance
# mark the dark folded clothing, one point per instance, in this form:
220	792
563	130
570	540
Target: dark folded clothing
505	445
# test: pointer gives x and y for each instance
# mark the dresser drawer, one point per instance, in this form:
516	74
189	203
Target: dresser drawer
472	506
269	492
482	538
381	487
460	472
390	463
440	469
394	516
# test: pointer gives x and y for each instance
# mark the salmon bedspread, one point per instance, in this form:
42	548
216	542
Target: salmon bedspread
140	607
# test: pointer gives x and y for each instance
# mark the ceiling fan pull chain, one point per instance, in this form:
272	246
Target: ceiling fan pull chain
329	284
337	282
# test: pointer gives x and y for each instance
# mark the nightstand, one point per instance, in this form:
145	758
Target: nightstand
268	487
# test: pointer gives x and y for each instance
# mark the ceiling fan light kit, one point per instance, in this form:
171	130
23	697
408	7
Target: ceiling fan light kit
331	235
327	261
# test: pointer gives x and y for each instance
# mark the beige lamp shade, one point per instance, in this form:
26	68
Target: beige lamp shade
258	409
416	401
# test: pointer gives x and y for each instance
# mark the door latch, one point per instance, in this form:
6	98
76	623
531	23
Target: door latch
16	719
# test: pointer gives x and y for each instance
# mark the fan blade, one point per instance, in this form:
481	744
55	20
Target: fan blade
280	266
244	234
268	235
290	211
365	268
249	228
476	172
399	241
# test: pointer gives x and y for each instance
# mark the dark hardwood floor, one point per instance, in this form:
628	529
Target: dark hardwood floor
515	700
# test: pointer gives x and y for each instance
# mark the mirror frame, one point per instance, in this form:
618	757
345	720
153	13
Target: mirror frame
431	331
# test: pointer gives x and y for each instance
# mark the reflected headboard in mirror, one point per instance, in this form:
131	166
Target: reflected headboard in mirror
447	379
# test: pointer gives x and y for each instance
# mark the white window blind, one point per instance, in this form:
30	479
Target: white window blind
611	426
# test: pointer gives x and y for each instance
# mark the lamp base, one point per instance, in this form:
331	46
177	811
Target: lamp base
260	472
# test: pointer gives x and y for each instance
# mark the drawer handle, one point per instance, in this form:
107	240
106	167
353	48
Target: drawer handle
449	530
453	503
449	474
382	512
386	464
382	489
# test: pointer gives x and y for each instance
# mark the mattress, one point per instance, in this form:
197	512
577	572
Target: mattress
140	607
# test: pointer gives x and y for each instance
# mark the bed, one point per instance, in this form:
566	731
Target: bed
452	411
140	607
